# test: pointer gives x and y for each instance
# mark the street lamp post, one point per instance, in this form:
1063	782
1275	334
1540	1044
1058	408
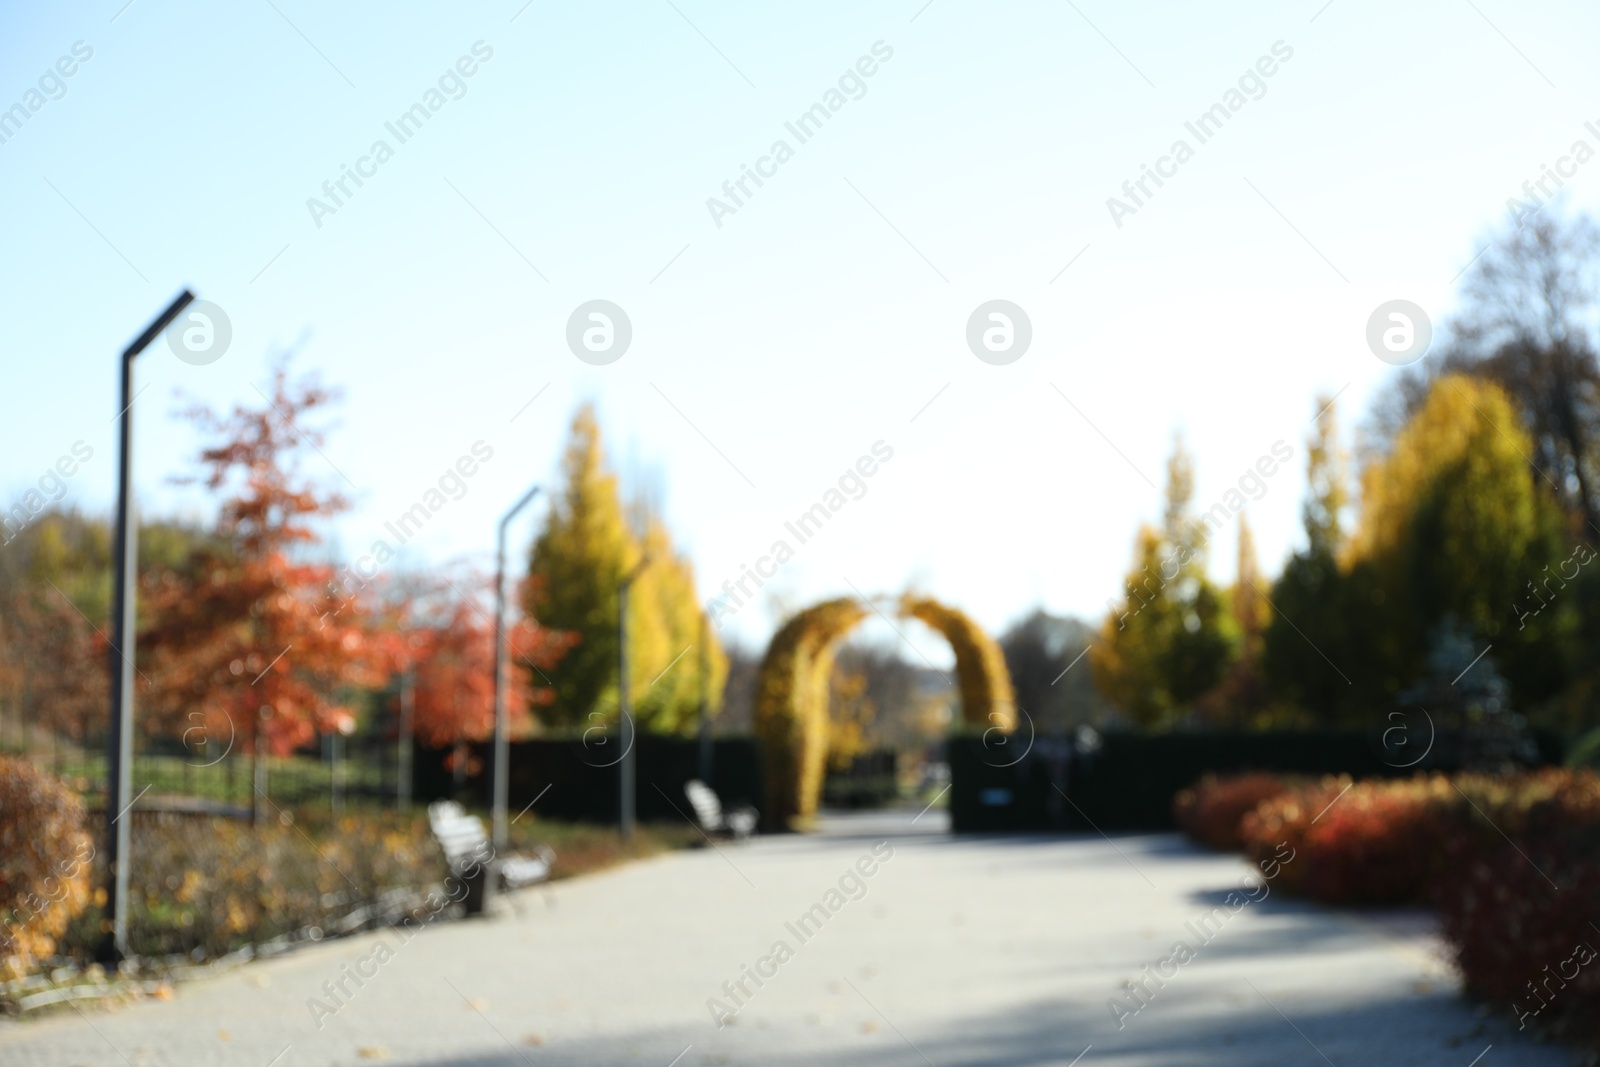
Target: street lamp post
403	752
502	728
119	744
705	703
625	766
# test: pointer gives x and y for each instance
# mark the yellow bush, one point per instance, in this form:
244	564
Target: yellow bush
45	860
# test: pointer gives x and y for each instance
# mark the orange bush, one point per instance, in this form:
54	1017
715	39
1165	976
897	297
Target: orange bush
1210	810
44	864
1371	842
1521	916
1513	862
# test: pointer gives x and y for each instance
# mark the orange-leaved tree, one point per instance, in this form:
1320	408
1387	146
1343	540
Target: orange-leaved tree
444	636
247	640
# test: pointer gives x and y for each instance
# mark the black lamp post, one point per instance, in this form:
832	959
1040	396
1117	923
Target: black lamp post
625	766
119	745
502	728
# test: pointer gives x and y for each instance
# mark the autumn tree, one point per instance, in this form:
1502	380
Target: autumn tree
584	550
1170	640
1307	654
1127	659
1527	322
443	636
674	655
851	712
1454	528
55	590
579	558
1241	698
246	638
54	580
881	699
51	657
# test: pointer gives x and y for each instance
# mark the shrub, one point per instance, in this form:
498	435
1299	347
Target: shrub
204	886
1210	810
1371	842
1521	916
44	864
1513	862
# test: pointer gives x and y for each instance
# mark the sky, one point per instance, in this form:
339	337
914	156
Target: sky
776	344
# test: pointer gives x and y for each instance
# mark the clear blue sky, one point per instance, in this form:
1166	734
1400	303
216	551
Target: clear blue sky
821	317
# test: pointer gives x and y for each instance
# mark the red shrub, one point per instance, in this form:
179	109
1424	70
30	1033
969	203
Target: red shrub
1210	810
1371	842
1523	918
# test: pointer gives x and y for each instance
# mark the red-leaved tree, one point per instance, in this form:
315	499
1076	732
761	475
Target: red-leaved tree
445	637
245	639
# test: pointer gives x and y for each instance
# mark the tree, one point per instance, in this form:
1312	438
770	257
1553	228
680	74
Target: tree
446	639
50	666
851	712
55	586
54	581
670	644
881	700
1454	528
245	637
1241	698
1530	303
1527	324
580	558
1306	654
1045	654
1127	660
1170	641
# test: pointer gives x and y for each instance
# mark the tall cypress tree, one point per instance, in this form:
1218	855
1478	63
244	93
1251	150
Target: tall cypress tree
666	656
578	561
1307	653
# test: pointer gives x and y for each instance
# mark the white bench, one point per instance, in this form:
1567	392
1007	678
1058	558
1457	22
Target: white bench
738	823
467	849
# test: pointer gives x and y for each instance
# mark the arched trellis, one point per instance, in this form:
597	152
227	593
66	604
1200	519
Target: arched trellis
791	706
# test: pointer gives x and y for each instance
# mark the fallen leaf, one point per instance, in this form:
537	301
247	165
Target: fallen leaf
373	1052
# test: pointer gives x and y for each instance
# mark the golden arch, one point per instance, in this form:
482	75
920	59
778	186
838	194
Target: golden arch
791	705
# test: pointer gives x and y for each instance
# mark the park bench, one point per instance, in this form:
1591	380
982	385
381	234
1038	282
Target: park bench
738	823
471	857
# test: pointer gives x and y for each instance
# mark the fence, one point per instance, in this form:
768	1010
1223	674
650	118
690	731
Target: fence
1128	782
365	768
571	779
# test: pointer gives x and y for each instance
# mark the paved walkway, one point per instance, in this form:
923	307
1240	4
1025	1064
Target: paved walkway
953	951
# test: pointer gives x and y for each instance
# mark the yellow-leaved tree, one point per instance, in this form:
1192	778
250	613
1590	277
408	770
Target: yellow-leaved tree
674	654
1454	526
580	557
